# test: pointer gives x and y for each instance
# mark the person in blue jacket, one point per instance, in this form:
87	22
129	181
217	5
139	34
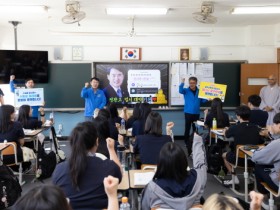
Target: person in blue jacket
94	98
191	107
29	83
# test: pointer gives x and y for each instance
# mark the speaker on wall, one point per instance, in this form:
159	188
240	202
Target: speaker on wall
203	53
57	53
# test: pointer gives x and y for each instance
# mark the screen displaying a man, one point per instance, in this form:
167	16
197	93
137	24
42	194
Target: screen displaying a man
115	89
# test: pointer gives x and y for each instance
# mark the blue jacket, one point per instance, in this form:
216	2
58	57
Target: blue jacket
93	100
35	109
192	102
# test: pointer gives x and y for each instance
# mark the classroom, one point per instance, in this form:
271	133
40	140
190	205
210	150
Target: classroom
82	40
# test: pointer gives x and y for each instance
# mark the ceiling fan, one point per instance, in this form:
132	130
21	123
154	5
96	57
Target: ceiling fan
75	15
204	16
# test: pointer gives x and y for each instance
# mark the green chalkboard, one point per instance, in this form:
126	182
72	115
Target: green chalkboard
66	81
229	74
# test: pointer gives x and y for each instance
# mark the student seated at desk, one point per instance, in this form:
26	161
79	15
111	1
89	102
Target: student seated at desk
27	122
258	116
216	112
12	132
135	116
267	161
138	125
81	178
149	145
114	114
105	114
243	133
173	186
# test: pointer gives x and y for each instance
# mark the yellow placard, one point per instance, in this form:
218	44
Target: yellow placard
210	90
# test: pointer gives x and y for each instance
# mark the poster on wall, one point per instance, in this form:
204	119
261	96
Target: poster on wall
209	90
32	97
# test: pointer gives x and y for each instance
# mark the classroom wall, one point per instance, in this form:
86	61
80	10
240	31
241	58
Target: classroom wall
257	44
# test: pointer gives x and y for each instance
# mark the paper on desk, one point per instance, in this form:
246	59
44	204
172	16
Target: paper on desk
27	131
143	178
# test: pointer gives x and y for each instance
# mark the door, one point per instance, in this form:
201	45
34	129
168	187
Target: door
254	77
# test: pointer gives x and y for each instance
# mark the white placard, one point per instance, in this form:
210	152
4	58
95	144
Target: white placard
31	96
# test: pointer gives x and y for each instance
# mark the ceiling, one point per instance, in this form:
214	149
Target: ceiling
178	18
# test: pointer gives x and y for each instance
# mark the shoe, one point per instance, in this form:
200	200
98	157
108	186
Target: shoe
229	182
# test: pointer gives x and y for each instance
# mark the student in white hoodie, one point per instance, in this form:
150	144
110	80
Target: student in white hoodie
173	186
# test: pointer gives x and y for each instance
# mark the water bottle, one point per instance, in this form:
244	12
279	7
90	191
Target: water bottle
221	174
172	135
52	117
125	205
214	124
121	155
122	130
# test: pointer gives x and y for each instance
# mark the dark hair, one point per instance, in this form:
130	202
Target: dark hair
108	70
104	113
243	111
276	118
103	132
145	110
136	111
83	138
94	78
217	111
193	78
43	197
23	115
255	100
28	79
112	108
153	124
5	117
172	163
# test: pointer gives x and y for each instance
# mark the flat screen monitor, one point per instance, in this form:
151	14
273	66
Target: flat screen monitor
24	65
131	83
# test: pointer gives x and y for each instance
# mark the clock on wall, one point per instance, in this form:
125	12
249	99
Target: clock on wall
77	53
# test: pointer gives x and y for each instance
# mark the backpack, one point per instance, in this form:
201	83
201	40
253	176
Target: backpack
214	159
46	165
10	189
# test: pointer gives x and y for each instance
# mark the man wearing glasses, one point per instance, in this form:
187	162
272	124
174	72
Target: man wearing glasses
191	108
270	96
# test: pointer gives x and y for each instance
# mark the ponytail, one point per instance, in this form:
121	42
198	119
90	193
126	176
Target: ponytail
82	139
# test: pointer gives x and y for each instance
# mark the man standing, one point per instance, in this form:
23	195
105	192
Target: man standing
29	83
115	89
94	98
191	107
270	96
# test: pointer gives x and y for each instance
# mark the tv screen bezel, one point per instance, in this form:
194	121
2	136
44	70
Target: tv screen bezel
101	86
21	79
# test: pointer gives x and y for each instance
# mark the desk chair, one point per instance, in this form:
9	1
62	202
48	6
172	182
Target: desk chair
271	194
12	150
148	167
239	154
194	207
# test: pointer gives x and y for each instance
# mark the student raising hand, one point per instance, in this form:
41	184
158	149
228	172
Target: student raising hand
111	186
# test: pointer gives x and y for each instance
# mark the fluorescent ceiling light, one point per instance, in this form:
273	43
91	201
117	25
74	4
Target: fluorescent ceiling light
136	11
23	9
256	10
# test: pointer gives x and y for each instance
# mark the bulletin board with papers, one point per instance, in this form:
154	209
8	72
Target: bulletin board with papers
227	73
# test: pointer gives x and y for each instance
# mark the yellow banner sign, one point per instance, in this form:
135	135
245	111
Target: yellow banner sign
211	90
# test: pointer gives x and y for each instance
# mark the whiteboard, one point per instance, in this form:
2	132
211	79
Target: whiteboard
203	72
